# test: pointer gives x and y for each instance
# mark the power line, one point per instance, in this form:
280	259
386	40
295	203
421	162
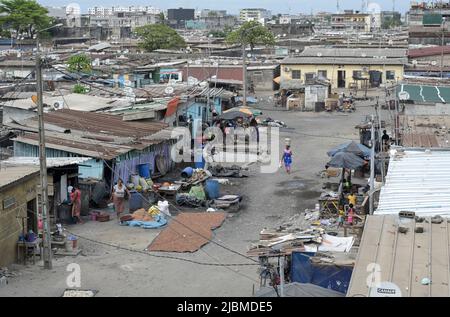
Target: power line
173	218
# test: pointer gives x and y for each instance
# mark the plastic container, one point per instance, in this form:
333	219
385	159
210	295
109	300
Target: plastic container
212	189
135	180
187	172
135	201
144	170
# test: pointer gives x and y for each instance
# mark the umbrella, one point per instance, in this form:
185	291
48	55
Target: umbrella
346	160
230	115
351	147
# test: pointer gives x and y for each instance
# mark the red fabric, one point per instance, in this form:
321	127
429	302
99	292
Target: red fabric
172	106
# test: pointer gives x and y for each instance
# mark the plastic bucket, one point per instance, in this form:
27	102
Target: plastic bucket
144	170
187	172
212	189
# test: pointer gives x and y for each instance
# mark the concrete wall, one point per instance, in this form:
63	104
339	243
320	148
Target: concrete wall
11	114
11	226
332	72
438	109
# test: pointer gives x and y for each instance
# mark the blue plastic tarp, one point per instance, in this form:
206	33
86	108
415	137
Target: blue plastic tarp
159	222
351	147
249	99
328	276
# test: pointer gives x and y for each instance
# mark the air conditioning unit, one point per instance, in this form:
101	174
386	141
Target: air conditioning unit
58	105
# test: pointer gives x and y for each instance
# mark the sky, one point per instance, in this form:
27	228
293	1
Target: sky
233	6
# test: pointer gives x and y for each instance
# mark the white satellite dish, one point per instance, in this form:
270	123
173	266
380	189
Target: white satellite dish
235	63
403	95
58	105
434	63
414	62
373	8
197	62
363	55
169	90
192	80
319	54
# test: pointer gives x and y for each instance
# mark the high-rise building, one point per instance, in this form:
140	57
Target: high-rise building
254	14
181	14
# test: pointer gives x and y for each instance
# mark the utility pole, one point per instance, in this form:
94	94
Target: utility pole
372	164
43	162
282	276
442	48
47	243
244	77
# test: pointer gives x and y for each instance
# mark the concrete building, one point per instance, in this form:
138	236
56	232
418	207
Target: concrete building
18	205
181	14
351	21
254	14
101	11
206	13
427	14
345	68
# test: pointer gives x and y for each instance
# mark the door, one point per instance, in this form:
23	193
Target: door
375	78
341	78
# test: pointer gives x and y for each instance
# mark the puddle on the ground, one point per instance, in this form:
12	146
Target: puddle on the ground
295	184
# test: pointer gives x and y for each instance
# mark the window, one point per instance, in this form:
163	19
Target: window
322	73
357	74
310	76
296	74
390	75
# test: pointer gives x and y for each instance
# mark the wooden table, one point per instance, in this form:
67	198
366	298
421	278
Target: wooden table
29	245
172	190
329	204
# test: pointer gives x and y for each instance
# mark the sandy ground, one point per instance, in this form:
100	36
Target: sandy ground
269	200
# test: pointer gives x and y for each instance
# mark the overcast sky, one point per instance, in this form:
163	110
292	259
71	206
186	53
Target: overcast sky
233	6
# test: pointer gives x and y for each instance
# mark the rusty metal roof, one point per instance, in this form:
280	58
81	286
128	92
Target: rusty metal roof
92	134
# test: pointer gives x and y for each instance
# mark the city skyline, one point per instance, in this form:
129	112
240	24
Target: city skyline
233	6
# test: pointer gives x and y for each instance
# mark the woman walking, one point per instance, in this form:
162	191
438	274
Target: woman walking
287	158
75	197
118	197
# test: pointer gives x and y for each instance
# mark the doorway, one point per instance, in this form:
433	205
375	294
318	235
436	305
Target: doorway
32	216
341	78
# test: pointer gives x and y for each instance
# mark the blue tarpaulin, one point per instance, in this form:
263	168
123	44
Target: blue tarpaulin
328	276
159	222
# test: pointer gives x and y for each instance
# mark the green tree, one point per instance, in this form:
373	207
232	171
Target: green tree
23	16
79	89
251	33
162	16
159	36
80	63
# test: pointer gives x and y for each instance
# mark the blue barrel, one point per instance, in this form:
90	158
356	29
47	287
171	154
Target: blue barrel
135	201
212	189
144	170
200	164
187	172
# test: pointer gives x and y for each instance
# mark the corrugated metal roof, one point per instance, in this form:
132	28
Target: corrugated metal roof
404	259
428	51
315	51
343	61
51	161
11	174
425	93
90	134
417	180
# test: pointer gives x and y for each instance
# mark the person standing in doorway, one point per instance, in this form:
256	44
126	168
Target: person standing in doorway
118	197
75	197
287	158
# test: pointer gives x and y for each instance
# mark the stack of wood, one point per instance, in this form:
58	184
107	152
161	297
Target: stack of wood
284	242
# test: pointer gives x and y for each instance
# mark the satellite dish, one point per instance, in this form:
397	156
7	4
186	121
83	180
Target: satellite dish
319	54
414	62
58	105
403	95
364	55
434	63
169	90
373	8
197	62
235	63
192	80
